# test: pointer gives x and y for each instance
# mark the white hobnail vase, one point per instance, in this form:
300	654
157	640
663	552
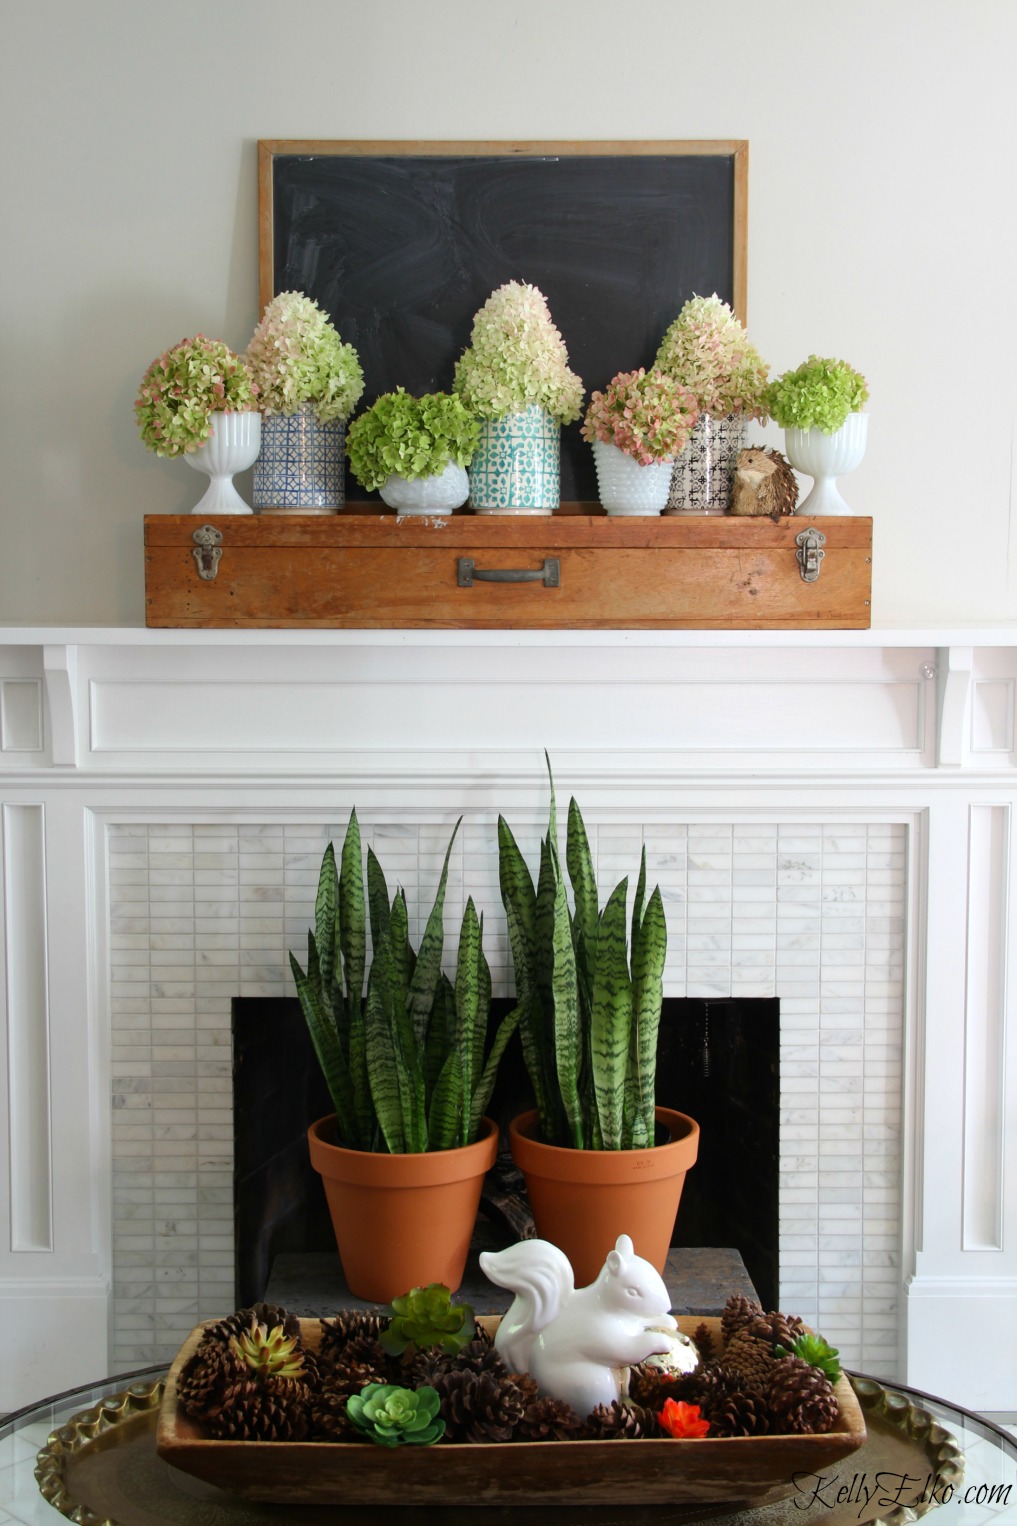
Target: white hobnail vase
439	494
827	457
232	446
626	487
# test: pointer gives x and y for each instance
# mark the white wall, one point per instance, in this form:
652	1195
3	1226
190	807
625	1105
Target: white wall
882	227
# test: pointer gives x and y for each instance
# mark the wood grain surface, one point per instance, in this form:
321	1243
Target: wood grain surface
382	571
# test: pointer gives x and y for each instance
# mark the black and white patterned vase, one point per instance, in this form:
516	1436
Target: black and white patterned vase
703	477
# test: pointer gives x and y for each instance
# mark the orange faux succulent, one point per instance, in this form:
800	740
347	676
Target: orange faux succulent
682	1420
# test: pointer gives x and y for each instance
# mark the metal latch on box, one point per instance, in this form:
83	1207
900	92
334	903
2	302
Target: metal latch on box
207	551
810	553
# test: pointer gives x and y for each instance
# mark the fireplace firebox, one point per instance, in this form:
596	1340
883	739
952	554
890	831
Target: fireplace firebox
717	1060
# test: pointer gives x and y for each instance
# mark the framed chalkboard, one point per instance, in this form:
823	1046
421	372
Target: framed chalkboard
402	242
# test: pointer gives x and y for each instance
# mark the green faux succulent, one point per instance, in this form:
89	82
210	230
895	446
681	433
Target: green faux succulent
410	436
269	1353
820	394
426	1317
589	1023
391	1416
817	1352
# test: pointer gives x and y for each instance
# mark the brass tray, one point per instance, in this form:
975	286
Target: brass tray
102	1469
654	1470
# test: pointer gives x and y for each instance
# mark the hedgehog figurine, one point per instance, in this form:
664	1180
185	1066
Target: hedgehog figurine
763	484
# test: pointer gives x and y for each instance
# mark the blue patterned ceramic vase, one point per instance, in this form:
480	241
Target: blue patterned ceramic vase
515	468
300	469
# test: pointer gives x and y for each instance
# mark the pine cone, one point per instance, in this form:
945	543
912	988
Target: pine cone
547	1419
479	1356
422	1369
268	1314
741	1413
801	1398
705	1343
274	1410
649	1386
779	1329
704	1385
338	1332
362	1360
751	1356
737	1312
328	1418
479	1407
212	1379
620	1422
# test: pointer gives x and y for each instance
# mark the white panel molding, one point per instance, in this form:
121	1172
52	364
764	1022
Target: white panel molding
984	1025
20	715
706	728
60	666
28	1028
953	692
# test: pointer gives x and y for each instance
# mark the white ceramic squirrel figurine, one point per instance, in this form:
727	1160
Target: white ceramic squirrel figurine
576	1342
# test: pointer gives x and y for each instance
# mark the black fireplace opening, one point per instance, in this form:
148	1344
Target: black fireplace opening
717	1060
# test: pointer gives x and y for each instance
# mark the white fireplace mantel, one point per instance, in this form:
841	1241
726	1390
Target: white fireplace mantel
103	730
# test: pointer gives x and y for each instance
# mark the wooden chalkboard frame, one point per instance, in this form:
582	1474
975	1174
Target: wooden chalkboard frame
733	150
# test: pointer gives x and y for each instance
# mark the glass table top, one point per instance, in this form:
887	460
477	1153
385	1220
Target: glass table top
987	1495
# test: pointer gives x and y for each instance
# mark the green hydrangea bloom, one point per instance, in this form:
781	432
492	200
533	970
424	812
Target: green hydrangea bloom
820	394
414	436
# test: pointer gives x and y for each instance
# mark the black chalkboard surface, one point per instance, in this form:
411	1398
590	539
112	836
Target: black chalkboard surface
402	243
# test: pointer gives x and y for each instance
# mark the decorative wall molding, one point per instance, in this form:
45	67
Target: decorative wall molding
908	730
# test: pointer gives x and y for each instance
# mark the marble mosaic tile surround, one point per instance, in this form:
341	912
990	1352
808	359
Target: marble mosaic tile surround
813	914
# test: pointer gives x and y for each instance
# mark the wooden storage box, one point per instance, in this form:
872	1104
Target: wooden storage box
569	571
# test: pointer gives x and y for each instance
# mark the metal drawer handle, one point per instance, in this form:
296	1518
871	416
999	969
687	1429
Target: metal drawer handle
549	574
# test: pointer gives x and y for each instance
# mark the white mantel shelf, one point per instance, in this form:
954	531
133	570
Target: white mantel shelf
107	732
125	635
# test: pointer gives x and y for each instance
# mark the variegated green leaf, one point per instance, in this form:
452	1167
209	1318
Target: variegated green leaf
639	898
568	1044
398	941
649	951
584	882
367	1121
428	964
326	1047
387	1086
325	905
467	1002
444	1119
377	899
611	1018
483	1006
352	916
532	1034
485	1086
520	902
440	1038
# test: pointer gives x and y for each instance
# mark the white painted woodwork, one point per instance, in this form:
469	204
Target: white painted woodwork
778	731
28	1043
984	1026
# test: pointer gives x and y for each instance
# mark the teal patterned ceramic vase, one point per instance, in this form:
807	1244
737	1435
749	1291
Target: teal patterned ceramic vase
300	468
515	467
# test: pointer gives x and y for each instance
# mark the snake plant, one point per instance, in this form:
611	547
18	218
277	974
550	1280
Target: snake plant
588	1021
406	1061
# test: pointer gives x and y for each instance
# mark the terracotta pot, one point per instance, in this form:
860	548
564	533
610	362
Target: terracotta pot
401	1221
582	1200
